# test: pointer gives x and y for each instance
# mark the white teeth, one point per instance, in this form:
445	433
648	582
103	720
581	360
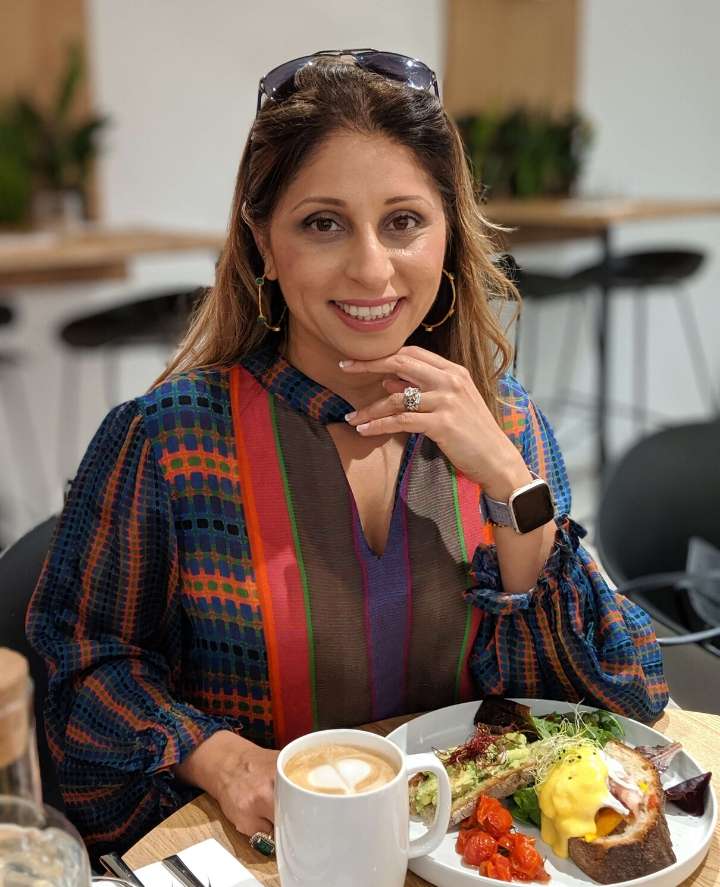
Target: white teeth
363	312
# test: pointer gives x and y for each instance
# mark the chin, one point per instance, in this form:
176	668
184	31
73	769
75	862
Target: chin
373	350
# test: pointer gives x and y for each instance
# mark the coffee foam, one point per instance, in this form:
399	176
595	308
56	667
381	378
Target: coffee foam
339	770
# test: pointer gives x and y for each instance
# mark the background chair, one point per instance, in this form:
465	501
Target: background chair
648	273
663	492
160	320
20	567
539	289
645	274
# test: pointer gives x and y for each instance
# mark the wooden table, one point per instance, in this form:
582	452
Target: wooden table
202	818
545	219
91	253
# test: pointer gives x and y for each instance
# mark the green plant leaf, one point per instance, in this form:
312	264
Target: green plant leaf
74	72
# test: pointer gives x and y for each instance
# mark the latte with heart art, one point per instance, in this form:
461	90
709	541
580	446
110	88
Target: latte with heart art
339	770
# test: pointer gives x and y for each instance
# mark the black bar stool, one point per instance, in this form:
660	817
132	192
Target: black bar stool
643	272
160	320
646	272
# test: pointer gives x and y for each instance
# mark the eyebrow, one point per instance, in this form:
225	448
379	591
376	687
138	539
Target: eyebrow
334	201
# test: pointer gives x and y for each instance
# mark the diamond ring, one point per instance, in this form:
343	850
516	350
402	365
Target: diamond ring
411	399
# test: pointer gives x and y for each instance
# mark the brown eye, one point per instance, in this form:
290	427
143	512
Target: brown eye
404	223
322	224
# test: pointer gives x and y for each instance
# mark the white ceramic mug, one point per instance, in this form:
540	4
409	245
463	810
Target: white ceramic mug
362	840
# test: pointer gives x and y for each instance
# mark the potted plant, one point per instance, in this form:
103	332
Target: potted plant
16	179
59	147
526	154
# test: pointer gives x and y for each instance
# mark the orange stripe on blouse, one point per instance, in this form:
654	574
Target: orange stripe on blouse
275	560
475	532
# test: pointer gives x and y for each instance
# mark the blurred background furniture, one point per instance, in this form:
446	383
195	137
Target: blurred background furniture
20	568
552	220
55	277
660	495
538	289
158	320
645	273
16	404
90	253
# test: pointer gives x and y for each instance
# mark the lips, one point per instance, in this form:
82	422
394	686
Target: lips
368	312
371	314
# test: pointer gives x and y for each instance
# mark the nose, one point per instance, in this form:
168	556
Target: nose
369	263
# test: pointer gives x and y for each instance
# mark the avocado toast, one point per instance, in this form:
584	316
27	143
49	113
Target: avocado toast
494	765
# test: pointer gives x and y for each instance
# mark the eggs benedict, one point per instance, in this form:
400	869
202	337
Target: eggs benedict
572	795
603	809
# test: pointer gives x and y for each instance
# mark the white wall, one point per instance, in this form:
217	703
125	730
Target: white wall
180	78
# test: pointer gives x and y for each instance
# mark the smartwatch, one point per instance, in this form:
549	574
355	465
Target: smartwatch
528	508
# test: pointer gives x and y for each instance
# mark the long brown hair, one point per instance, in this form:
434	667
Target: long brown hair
334	97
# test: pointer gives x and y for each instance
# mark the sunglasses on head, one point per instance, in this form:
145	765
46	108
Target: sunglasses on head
279	83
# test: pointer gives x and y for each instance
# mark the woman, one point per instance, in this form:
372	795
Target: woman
307	522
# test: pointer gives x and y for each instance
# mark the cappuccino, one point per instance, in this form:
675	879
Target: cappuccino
339	770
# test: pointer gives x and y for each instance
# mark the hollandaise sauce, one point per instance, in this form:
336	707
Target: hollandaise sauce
570	796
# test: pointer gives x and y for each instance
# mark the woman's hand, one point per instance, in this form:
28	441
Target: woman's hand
452	413
239	775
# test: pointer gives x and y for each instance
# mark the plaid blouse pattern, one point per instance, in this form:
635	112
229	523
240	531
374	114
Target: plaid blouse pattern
149	616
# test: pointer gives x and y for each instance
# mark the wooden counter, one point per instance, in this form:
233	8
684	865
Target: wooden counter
92	253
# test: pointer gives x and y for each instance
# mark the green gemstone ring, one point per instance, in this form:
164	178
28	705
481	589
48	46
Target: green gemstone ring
263	843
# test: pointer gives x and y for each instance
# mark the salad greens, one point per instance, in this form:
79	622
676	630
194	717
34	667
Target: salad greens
599	726
554	733
525	807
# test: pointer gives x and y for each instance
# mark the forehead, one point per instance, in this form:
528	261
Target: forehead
351	166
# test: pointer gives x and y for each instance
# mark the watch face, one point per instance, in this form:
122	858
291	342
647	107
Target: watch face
533	508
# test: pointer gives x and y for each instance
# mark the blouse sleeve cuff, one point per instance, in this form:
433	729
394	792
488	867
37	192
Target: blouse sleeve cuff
180	730
487	591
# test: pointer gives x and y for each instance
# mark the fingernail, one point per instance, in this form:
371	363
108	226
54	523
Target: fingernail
346	363
350	416
362	427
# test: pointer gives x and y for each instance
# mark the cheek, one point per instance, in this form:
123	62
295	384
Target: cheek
422	263
301	271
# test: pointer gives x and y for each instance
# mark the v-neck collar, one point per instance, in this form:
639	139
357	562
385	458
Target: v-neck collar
298	391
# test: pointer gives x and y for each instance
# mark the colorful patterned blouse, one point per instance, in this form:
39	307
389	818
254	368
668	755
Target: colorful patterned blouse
210	571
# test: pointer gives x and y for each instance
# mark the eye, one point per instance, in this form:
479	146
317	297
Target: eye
324	224
404	222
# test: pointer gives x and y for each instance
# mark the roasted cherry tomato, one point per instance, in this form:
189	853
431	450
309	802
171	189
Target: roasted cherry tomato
525	861
498	867
506	842
462	840
493	817
480	847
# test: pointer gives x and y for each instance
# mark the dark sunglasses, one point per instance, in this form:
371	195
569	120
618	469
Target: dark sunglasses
279	83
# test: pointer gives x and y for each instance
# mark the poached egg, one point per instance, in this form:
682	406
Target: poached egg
585	795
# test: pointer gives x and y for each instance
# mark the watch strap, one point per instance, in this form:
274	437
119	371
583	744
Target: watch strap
501	514
495	512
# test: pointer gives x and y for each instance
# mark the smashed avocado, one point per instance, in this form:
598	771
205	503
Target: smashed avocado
509	752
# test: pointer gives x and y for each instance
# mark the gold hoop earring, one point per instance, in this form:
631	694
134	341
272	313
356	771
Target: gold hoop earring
260	282
429	327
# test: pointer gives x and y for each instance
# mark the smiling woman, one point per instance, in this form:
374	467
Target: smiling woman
335	506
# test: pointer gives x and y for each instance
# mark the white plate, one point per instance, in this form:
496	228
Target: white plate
691	835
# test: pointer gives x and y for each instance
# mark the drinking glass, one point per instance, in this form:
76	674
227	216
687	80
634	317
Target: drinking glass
39	847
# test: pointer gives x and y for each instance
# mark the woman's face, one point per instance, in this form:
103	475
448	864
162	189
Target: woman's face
357	243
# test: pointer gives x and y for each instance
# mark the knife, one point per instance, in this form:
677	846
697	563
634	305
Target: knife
114	864
179	870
